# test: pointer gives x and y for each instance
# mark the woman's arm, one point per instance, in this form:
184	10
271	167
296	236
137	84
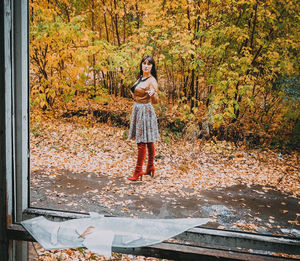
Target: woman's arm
153	88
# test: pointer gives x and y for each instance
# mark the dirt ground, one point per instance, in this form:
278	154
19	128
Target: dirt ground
255	209
82	169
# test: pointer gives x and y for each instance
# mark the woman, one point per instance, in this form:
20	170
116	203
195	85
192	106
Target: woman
143	122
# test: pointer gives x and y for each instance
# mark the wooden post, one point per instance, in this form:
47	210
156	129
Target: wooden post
13	148
21	95
3	211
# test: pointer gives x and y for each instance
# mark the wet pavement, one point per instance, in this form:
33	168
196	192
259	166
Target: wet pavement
255	209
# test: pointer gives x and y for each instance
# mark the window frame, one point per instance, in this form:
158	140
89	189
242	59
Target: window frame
201	243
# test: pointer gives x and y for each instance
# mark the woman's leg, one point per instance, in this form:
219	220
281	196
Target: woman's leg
151	154
138	172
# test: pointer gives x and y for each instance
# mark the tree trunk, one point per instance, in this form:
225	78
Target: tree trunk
106	28
192	90
116	24
197	91
93	43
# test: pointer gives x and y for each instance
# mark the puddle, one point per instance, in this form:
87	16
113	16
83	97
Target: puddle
255	209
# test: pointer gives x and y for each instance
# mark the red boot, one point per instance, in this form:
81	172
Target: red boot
139	164
151	153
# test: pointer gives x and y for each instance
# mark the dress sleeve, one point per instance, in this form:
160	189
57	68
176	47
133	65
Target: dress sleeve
154	97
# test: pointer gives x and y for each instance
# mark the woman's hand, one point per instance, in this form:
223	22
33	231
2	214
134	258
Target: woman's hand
150	92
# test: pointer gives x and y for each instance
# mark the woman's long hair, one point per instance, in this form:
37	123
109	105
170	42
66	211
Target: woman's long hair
153	69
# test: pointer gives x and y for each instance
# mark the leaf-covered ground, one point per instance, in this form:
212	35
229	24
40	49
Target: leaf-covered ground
184	170
37	253
103	150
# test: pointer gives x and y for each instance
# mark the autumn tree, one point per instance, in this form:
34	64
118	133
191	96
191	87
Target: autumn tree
234	60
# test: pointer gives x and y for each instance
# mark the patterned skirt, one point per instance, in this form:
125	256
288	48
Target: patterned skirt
143	123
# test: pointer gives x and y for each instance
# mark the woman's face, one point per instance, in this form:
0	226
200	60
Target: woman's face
146	66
